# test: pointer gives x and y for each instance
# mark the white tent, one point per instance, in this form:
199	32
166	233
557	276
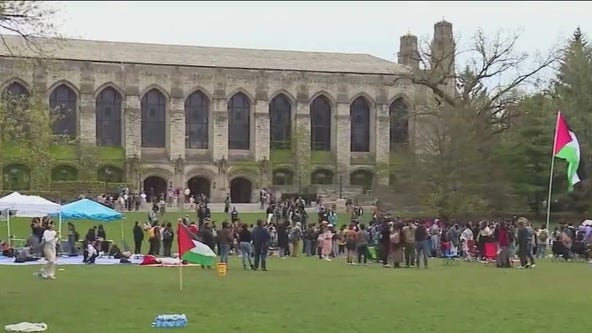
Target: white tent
27	206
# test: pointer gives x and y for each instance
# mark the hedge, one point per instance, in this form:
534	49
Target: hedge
69	190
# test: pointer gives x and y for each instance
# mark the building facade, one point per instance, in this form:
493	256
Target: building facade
222	121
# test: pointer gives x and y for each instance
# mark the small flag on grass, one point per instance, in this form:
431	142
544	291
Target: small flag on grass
567	148
192	251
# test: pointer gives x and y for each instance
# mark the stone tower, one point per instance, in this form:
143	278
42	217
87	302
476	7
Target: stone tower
408	52
443	48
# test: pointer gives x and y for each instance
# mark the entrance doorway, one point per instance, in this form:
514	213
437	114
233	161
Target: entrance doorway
154	187
241	190
199	185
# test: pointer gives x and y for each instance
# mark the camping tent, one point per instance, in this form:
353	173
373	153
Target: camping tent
27	206
85	209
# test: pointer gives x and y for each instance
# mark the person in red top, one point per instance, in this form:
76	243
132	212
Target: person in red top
502	236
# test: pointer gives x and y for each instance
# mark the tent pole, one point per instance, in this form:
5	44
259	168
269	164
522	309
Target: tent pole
60	225
122	234
8	226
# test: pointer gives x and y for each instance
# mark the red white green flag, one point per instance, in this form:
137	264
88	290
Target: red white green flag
567	148
192	251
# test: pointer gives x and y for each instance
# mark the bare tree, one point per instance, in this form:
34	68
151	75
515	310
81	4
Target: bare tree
490	81
29	20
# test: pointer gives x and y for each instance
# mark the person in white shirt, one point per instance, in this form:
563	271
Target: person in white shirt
466	239
50	240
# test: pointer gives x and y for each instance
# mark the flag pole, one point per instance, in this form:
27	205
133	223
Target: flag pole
180	275
548	220
180	261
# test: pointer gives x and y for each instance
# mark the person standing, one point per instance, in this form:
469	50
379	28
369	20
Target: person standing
167	239
261	238
523	243
224	240
362	244
138	237
244	245
50	240
409	243
422	244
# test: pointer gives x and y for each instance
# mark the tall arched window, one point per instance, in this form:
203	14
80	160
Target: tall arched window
320	124
399	123
108	107
197	108
280	122
153	110
62	104
239	122
15	99
359	114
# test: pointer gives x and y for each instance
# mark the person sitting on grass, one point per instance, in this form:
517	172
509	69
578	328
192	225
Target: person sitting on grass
90	253
123	256
25	255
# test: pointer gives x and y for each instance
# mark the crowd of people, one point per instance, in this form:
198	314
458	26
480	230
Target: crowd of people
289	231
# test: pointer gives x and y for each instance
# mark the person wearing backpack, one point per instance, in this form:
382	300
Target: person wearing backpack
295	237
167	239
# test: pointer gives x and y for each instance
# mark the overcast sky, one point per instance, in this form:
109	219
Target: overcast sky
360	27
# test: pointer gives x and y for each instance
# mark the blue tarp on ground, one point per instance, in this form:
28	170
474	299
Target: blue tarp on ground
85	209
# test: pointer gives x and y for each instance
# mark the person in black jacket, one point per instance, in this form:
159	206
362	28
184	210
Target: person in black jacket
261	238
523	242
138	237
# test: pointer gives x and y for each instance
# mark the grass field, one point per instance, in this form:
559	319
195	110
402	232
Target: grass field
299	295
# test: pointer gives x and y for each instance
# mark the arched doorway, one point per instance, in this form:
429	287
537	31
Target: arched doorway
199	185
154	186
241	190
362	178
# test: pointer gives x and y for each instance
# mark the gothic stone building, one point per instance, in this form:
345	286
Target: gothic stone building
224	120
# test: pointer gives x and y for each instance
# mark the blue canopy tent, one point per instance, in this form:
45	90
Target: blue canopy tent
85	209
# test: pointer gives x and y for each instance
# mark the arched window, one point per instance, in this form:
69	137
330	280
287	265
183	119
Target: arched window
320	124
15	98
399	123
62	104
239	122
15	90
154	119
64	173
108	117
322	177
197	108
280	122
16	177
359	113
282	177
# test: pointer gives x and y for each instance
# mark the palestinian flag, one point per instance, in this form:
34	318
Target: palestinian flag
192	251
567	148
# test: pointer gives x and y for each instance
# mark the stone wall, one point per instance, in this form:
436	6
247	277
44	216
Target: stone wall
175	163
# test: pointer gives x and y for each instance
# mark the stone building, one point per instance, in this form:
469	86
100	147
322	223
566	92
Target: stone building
224	120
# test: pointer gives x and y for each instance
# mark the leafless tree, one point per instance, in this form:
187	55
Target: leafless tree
490	81
29	20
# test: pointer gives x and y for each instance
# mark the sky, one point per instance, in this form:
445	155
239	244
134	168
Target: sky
357	27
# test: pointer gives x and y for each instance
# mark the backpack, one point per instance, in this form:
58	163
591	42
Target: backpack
544	235
167	235
296	234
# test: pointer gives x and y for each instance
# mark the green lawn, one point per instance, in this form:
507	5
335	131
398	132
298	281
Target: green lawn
303	295
299	295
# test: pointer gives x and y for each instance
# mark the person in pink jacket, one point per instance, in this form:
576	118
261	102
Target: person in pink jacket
326	239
